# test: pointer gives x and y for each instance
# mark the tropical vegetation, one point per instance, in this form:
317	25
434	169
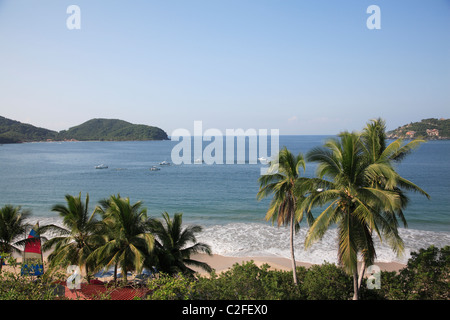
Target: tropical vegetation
363	194
12	227
284	183
124	238
358	187
172	245
328	281
425	277
73	244
126	241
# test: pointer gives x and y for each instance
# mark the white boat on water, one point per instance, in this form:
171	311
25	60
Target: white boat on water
164	163
101	166
154	168
263	160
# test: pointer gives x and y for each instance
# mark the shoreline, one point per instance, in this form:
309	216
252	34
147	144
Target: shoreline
223	263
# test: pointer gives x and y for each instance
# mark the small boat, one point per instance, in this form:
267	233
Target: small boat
154	168
263	160
164	163
101	166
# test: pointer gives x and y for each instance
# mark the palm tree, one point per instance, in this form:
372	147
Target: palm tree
362	197
12	226
382	158
75	242
342	160
127	241
382	175
172	247
288	191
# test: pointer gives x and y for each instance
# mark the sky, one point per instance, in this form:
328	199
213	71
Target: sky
303	67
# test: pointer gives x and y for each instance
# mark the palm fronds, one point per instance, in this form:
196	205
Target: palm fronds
364	194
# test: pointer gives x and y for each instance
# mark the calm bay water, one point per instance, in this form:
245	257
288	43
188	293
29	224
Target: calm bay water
222	198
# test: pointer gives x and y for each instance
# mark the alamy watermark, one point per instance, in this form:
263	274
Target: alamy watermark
374	20
74	280
190	148
374	277
73	22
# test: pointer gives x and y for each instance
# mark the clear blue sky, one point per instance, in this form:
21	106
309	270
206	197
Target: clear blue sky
304	67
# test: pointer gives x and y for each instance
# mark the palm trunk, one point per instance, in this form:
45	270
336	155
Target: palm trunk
361	274
363	265
294	268
115	274
87	273
355	284
125	280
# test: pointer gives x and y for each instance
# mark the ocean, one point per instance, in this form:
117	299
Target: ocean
219	197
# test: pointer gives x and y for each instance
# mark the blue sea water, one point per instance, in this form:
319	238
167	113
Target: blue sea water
221	198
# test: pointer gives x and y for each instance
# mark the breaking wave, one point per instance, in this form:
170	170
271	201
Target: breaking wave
255	239
260	239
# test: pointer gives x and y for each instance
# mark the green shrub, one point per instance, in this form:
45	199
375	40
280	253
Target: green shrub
327	282
167	287
242	282
390	288
426	276
247	281
14	286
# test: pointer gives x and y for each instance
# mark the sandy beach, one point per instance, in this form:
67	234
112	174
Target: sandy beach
223	263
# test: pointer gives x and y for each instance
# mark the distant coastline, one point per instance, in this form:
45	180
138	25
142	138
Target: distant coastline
100	129
12	131
427	129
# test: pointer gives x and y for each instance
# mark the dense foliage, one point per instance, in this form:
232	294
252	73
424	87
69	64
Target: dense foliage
112	129
426	277
14	286
14	131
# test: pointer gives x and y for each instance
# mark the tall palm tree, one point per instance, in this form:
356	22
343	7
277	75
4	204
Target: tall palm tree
172	245
127	240
350	201
285	183
75	242
382	175
362	197
12	226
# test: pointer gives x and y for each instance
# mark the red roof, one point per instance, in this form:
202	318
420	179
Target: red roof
103	292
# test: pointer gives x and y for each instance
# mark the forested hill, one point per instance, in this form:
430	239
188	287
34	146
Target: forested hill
12	131
113	130
430	129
